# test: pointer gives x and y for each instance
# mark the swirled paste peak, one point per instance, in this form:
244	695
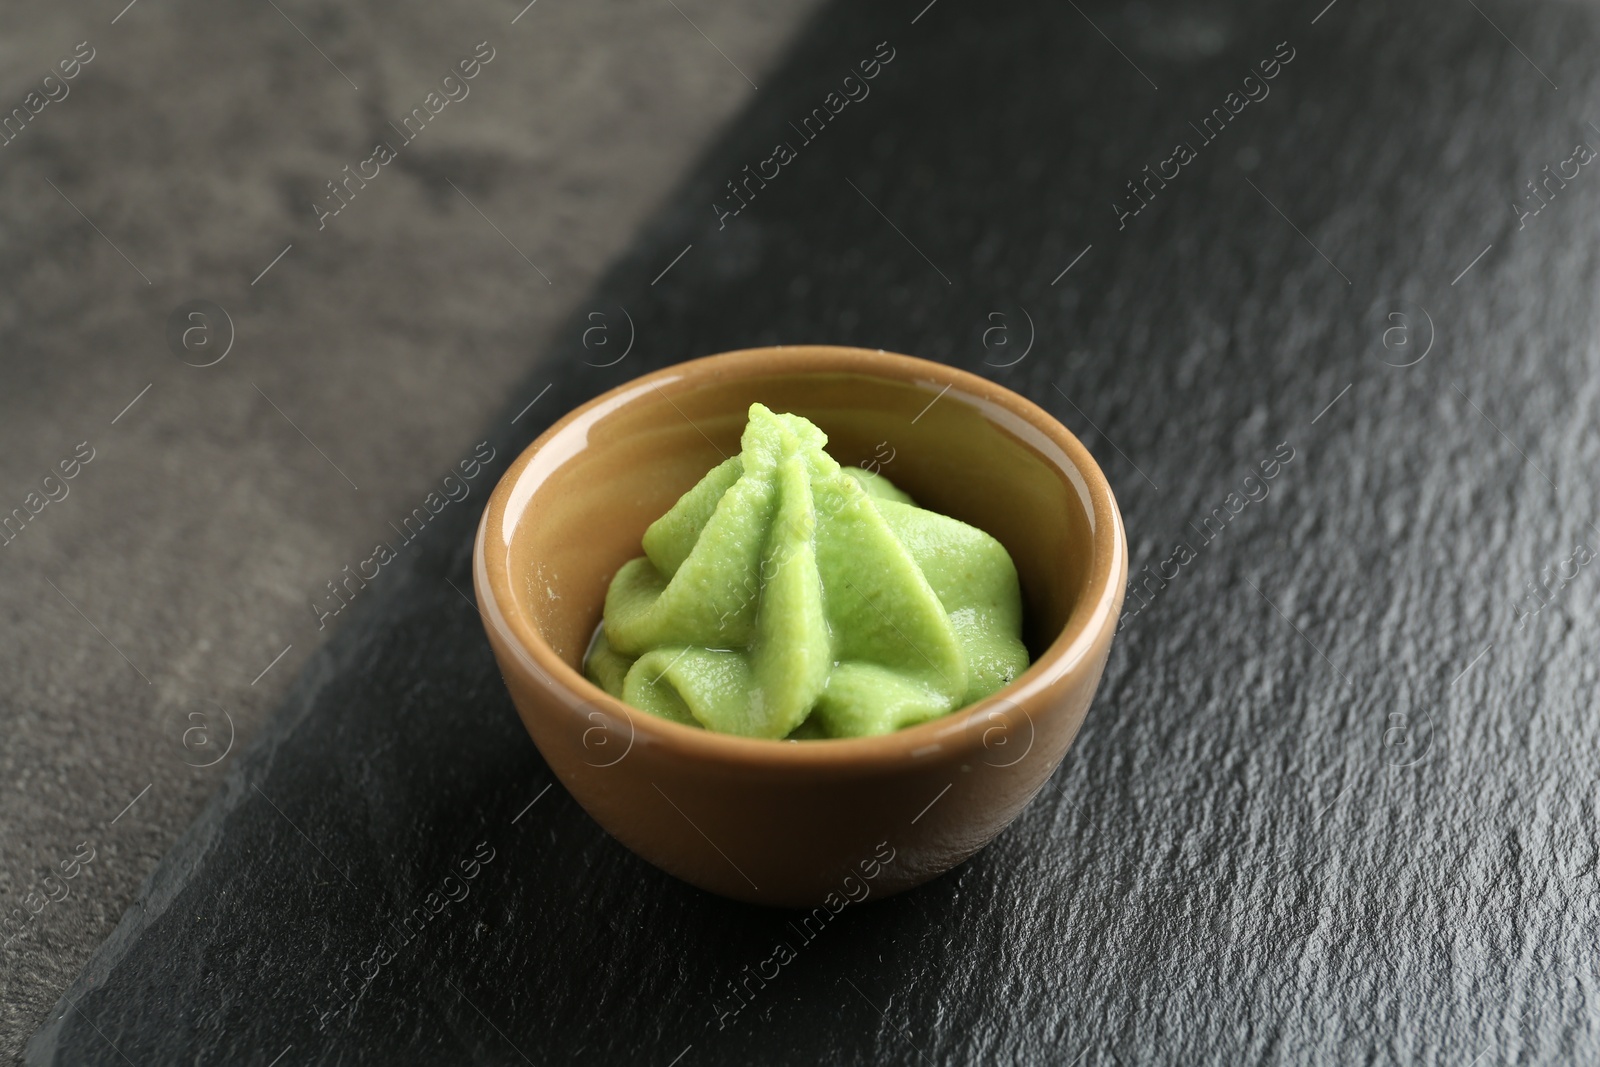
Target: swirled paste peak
785	595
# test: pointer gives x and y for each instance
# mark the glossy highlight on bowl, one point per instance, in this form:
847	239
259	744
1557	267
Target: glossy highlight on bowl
779	822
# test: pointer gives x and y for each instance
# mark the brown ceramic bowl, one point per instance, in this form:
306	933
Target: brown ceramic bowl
800	823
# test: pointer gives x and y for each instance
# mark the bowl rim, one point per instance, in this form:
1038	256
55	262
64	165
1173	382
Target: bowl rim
1070	651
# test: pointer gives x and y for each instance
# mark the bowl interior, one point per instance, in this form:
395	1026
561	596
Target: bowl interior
579	509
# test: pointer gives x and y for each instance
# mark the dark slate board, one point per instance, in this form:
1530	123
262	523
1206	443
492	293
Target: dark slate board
1335	802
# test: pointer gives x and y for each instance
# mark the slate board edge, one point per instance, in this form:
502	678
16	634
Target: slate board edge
193	848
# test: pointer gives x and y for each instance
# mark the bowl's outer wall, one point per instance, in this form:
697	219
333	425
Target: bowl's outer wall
790	837
777	831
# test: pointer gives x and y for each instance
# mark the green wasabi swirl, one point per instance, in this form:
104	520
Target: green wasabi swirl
787	596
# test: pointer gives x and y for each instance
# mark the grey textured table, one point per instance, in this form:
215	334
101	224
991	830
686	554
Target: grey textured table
1336	798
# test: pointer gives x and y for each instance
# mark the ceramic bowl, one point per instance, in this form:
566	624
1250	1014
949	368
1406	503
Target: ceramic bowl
800	823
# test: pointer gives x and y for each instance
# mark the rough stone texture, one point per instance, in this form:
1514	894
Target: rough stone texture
197	139
1335	803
